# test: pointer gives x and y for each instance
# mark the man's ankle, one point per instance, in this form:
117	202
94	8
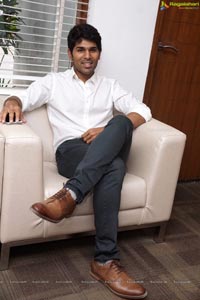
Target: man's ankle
72	193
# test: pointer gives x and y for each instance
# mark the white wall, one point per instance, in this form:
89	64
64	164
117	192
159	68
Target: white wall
127	29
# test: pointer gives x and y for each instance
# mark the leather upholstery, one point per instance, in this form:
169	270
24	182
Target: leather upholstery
30	174
1	163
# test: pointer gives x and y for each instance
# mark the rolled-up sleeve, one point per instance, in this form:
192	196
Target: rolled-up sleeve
37	94
126	103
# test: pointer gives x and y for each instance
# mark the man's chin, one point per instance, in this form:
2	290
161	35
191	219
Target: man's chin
88	72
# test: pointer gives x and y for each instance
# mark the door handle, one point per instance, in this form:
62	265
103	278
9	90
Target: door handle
162	46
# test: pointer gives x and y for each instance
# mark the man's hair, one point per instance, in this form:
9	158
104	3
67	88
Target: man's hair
83	31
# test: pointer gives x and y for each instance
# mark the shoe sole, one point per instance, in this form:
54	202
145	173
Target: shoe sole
116	293
43	217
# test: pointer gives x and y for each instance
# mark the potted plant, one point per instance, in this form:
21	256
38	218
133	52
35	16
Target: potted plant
9	39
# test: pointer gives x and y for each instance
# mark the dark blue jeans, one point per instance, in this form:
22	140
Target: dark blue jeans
100	167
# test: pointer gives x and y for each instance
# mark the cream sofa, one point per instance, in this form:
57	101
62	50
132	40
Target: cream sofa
30	175
2	143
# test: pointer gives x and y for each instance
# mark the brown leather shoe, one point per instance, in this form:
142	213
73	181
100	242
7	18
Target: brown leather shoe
57	207
117	280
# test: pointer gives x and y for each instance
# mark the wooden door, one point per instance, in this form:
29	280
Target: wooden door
173	82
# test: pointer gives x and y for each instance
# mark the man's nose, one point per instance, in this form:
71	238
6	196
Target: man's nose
87	54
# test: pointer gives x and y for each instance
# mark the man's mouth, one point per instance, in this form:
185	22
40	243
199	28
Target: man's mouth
87	64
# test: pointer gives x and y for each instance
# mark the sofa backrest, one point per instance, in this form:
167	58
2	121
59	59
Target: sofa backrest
39	122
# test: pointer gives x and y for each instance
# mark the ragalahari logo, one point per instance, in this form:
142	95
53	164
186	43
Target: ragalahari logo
179	5
163	5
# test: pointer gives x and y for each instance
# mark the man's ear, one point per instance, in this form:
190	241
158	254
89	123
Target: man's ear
69	54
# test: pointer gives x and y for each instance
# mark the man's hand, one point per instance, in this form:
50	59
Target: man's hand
91	134
136	119
13	108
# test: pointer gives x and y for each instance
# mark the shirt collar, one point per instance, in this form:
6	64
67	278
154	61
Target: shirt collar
92	79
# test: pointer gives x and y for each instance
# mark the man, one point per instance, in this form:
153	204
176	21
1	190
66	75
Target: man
91	147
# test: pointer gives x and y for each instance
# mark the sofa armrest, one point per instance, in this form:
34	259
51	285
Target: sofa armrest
1	163
22	181
156	155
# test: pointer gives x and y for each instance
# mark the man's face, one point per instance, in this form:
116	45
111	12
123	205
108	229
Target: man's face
84	56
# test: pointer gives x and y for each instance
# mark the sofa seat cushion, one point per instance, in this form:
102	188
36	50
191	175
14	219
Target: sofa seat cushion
133	190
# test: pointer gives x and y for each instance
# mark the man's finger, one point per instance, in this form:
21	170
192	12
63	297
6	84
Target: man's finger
86	139
17	116
22	118
85	134
4	115
11	116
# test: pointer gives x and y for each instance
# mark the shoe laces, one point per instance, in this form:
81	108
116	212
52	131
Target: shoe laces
59	195
117	267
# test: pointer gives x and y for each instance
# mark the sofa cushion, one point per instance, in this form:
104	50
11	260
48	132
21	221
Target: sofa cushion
133	190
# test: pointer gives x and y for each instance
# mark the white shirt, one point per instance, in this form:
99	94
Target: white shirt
74	106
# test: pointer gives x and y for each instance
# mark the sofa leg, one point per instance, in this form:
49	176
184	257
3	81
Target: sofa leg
160	233
5	253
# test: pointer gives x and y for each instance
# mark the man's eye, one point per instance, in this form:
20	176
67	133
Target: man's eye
93	49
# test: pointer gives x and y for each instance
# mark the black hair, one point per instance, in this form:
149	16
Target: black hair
83	31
